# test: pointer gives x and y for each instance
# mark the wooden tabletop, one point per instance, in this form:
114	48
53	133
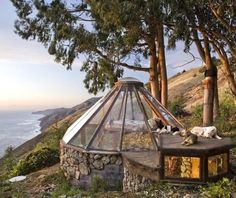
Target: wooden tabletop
204	145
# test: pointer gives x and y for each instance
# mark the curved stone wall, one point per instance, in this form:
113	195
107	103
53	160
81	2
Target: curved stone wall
80	167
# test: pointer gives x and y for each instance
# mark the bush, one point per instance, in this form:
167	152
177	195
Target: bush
63	186
176	106
195	118
9	160
98	185
202	69
39	158
226	121
221	189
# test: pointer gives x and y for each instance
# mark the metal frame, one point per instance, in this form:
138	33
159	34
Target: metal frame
137	88
103	119
106	98
159	104
145	118
123	121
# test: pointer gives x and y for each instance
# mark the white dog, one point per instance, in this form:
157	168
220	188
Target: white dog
208	132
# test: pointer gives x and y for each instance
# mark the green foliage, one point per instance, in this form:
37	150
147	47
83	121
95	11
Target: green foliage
9	160
195	118
225	123
163	190
63	186
176	106
98	185
37	159
221	189
54	135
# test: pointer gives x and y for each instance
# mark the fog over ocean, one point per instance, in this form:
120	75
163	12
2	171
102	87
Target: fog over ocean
16	127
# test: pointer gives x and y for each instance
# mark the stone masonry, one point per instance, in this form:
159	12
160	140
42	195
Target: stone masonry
81	167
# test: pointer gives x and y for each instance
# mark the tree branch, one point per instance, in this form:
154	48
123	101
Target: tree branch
221	19
145	69
194	58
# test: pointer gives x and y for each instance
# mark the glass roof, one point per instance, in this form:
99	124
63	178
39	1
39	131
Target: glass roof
120	121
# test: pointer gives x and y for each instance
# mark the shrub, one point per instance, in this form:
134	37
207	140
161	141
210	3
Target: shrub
176	106
221	189
98	185
65	188
226	121
202	69
9	160
39	158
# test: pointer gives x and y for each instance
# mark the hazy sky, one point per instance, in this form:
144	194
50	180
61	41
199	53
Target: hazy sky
30	79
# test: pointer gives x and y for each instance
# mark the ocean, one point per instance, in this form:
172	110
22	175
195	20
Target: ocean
16	127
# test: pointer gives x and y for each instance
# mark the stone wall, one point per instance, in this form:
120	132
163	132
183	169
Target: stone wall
133	182
81	167
137	177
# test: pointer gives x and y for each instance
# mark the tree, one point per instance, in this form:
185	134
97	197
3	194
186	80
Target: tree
113	35
185	23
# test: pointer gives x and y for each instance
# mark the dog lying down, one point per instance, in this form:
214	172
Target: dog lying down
208	132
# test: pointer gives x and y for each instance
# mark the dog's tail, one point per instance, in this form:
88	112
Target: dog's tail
218	137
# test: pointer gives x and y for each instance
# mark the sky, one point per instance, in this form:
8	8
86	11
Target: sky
31	80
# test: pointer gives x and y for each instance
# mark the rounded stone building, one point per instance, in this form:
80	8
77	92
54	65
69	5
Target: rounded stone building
117	140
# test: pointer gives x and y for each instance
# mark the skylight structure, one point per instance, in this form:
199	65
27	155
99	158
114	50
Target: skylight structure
120	121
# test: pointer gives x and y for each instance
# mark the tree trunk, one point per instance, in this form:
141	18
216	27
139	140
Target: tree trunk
230	77
154	74
208	83
162	65
208	87
216	108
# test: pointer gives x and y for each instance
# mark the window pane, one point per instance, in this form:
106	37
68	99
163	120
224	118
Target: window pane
136	136
182	167
154	120
83	137
217	164
168	117
108	136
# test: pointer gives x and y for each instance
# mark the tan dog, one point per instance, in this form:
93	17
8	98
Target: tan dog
189	139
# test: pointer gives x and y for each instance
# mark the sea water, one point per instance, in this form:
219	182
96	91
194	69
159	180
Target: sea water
16	127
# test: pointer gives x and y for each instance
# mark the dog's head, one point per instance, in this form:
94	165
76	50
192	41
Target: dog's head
184	133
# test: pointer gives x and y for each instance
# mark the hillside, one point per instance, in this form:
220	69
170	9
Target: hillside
55	115
189	86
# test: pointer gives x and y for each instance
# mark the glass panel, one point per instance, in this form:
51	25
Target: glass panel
168	117
217	164
83	137
136	136
153	119
182	167
108	136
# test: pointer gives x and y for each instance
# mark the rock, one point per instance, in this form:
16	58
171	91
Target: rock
105	160
77	174
17	178
84	169
113	159
71	171
98	164
41	176
97	156
119	161
62	196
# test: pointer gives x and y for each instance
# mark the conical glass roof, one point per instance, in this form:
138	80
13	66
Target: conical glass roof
120	121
